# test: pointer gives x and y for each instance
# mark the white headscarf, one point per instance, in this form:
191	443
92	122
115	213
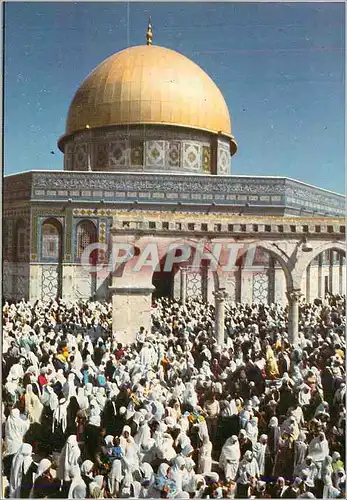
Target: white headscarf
44	465
86	468
78	488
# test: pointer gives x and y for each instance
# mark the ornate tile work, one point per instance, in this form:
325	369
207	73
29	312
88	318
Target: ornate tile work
292	193
102	232
118	153
155	153
136	154
191	156
84	212
51	281
173	153
223	167
260	288
206	158
81	157
101	155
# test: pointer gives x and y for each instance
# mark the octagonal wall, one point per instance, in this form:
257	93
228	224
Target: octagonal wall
152	149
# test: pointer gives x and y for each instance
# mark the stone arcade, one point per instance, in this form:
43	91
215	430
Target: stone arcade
147	159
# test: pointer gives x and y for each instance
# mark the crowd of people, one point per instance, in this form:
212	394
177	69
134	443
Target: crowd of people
173	415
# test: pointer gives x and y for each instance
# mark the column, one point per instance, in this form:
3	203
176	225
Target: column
220	296
183	271
308	283
331	263
131	309
335	273
272	281
246	285
293	315
341	274
320	280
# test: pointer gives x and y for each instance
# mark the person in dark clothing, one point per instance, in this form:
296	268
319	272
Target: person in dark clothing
109	418
245	443
27	481
122	398
287	399
109	369
44	485
92	441
71	416
120	421
98	354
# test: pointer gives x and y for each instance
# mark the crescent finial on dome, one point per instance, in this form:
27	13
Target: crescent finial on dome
149	34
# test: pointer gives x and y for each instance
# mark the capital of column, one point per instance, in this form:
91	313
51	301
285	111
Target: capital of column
220	295
294	295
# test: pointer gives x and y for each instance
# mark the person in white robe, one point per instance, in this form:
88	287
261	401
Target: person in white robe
318	449
15	430
300	450
69	388
251	429
78	486
20	466
205	456
131	452
33	405
143	436
147	355
259	452
230	458
69	457
248	471
176	472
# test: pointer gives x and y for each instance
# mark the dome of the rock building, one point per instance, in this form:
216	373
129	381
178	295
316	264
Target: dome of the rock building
149	85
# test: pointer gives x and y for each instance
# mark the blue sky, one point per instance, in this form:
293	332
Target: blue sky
280	67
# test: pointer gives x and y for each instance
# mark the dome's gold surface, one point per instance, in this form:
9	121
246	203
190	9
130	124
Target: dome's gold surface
149	85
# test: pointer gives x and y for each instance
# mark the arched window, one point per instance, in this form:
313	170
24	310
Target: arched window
51	241
86	235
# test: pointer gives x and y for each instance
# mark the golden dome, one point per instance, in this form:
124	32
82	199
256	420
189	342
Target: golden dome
149	85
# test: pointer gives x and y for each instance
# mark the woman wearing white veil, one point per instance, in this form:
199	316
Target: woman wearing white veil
300	449
78	488
69	388
130	449
252	430
15	429
230	458
318	449
143	435
69	457
49	398
33	405
205	456
22	471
